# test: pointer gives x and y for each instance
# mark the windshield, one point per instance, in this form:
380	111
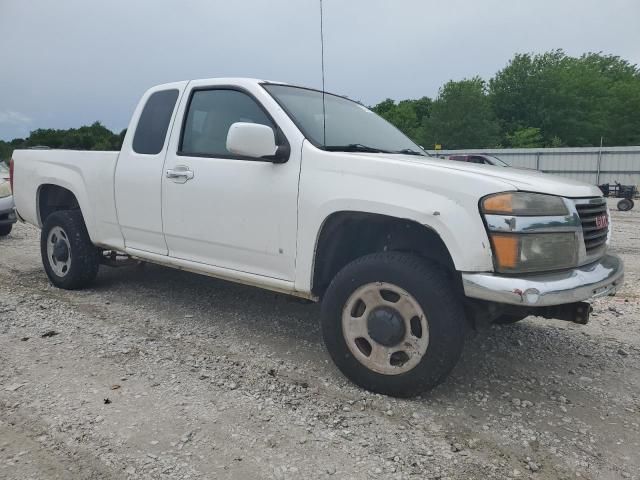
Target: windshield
498	162
349	125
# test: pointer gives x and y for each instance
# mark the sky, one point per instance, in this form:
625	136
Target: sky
68	63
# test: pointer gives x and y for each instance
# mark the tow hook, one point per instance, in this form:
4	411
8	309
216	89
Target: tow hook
583	312
572	312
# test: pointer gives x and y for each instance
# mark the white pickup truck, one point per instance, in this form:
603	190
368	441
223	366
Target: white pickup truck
313	195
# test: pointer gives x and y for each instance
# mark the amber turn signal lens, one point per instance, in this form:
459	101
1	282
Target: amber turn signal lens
506	249
498	203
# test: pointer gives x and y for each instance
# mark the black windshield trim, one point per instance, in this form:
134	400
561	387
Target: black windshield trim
411	151
355	147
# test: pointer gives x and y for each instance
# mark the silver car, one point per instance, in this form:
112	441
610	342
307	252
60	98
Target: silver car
7	214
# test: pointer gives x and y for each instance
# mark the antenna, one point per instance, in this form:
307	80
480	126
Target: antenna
324	112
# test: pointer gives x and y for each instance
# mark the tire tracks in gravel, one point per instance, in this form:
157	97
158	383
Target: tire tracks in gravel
22	434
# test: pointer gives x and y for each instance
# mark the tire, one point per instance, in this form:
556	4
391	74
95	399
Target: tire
508	319
426	286
66	230
5	230
625	205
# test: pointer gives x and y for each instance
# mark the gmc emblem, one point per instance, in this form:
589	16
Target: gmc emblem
602	221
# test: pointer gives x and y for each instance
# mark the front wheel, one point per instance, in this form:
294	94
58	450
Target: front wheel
625	204
393	323
69	258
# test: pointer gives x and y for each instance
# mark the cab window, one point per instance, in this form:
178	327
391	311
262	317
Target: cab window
210	115
154	122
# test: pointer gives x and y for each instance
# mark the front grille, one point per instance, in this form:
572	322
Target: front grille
594	236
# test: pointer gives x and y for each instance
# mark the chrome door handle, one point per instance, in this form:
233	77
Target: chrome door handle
188	174
179	173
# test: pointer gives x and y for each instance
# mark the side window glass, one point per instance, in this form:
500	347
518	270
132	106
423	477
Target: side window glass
211	113
154	122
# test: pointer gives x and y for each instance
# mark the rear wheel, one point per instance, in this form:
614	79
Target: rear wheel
625	204
393	323
5	230
69	258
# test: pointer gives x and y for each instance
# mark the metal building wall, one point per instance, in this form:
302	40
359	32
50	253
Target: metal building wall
589	164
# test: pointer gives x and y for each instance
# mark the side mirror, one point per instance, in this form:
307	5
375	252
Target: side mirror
253	140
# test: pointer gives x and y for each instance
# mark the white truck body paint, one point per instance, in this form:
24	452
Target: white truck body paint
259	222
137	192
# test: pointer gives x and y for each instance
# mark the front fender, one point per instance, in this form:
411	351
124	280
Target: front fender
463	235
424	191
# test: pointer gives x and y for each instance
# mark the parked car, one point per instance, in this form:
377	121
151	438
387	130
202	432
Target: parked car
239	179
480	159
7	215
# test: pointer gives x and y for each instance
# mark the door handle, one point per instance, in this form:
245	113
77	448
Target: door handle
180	174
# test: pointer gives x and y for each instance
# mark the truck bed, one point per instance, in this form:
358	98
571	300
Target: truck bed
87	174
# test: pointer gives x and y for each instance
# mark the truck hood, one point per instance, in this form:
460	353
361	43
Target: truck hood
518	179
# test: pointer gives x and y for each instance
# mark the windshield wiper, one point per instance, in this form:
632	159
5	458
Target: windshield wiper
354	147
409	151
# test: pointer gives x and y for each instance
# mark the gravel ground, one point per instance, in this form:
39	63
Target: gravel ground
157	373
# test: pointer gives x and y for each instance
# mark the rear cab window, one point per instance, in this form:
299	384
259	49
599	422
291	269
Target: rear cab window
153	124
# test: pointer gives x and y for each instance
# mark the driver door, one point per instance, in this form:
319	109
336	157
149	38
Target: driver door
223	210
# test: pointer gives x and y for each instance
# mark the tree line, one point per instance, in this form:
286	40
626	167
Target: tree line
91	137
536	100
543	100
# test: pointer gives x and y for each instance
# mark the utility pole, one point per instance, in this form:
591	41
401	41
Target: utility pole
599	163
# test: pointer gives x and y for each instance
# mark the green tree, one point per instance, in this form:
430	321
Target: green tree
513	90
529	137
89	137
576	99
461	117
622	110
556	142
406	115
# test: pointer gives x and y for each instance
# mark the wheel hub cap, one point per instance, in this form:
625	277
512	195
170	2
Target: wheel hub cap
386	326
61	251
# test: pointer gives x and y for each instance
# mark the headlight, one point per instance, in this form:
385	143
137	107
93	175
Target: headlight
534	252
5	189
523	203
531	232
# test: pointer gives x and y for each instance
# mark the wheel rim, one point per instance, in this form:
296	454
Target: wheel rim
625	205
385	328
59	251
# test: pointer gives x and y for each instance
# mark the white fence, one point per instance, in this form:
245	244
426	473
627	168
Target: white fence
589	164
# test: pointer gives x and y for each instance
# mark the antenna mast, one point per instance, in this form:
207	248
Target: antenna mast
324	112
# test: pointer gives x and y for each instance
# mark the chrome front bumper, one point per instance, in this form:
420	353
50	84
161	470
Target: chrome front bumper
590	281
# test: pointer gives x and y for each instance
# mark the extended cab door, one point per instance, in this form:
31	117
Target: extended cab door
223	210
139	169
